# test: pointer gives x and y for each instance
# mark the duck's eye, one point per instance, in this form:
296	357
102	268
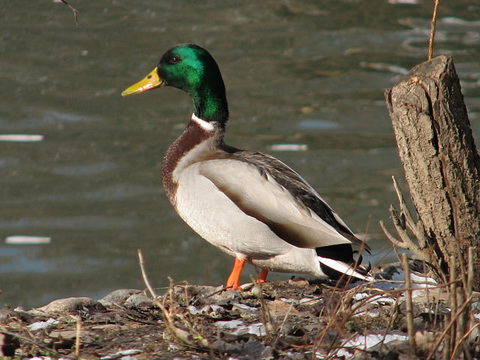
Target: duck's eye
174	60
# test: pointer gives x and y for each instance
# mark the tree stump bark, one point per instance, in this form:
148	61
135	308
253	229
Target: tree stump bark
441	163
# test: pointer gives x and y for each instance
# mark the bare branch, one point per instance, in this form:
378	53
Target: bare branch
433	28
74	10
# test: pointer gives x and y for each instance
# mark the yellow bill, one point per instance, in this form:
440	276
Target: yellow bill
150	82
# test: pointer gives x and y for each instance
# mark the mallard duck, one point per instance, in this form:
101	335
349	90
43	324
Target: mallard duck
248	204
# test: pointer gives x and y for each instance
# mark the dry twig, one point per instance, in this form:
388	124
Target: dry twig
408	299
433	28
420	247
185	337
74	10
78	333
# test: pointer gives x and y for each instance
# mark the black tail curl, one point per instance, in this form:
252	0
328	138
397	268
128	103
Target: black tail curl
344	253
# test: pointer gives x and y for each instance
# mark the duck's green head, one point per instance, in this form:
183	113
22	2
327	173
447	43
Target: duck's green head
192	69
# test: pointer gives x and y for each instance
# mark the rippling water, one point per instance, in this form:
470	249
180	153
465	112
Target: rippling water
297	72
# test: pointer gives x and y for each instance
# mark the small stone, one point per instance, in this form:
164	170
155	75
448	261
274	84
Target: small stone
139	301
68	335
213	311
118	297
123	354
278	308
42	325
72	305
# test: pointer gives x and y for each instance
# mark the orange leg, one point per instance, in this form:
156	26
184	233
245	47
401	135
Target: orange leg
233	281
262	277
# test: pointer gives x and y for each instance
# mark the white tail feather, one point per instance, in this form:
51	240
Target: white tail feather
343	268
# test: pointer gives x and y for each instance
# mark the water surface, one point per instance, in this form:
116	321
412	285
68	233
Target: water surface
297	72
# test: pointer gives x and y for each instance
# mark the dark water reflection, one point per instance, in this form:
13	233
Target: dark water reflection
302	72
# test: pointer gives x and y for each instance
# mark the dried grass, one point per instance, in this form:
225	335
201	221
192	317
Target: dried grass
455	337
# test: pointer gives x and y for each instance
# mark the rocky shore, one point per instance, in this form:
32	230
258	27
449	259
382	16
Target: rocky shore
296	319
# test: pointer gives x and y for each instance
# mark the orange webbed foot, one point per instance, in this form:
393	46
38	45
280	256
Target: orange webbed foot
233	282
262	277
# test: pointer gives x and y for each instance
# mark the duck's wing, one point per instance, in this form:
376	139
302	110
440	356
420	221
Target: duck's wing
304	193
268	190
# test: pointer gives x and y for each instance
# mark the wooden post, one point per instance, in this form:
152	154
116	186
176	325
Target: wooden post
441	162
